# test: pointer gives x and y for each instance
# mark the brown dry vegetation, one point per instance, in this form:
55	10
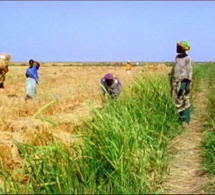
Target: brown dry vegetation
76	86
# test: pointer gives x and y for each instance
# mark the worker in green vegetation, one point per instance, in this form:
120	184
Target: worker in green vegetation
181	79
4	63
110	85
32	79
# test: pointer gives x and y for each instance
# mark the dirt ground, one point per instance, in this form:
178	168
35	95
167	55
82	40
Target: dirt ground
187	175
68	89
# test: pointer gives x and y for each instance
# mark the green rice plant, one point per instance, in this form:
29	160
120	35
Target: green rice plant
51	169
129	137
208	149
200	74
124	148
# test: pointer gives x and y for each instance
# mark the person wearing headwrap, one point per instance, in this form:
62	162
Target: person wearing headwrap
4	63
181	79
110	85
32	79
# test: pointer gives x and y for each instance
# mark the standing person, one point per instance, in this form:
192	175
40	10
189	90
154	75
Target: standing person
4	63
32	79
128	67
110	85
181	79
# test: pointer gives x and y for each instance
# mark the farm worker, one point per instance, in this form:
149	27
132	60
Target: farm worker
4	63
110	85
32	79
128	67
181	79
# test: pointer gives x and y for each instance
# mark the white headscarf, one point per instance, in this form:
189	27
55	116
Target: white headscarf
2	57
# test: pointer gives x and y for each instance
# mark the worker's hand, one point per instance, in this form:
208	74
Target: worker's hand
35	62
187	90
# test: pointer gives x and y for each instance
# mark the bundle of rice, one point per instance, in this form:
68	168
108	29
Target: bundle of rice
2	63
4	60
7	58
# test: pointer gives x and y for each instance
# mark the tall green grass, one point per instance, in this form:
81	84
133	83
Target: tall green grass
130	138
209	139
199	76
124	149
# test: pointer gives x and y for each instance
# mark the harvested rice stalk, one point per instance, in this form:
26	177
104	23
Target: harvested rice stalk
5	59
2	63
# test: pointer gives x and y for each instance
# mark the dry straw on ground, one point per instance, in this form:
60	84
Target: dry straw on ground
76	87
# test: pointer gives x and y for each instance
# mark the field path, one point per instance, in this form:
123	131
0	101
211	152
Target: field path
186	171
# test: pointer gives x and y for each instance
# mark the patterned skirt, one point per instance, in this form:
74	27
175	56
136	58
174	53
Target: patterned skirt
181	99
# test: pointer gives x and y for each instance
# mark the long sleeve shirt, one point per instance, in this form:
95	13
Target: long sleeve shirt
182	69
114	89
32	72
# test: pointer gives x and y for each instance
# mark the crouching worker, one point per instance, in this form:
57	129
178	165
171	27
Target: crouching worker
32	79
4	63
110	86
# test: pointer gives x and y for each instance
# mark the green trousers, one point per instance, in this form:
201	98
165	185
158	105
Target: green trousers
184	116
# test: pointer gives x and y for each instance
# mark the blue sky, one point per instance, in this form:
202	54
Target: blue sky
92	31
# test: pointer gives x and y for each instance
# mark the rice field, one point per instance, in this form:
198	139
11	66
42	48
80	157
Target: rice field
69	140
208	150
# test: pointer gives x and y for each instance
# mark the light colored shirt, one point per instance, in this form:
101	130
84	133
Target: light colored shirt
182	69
